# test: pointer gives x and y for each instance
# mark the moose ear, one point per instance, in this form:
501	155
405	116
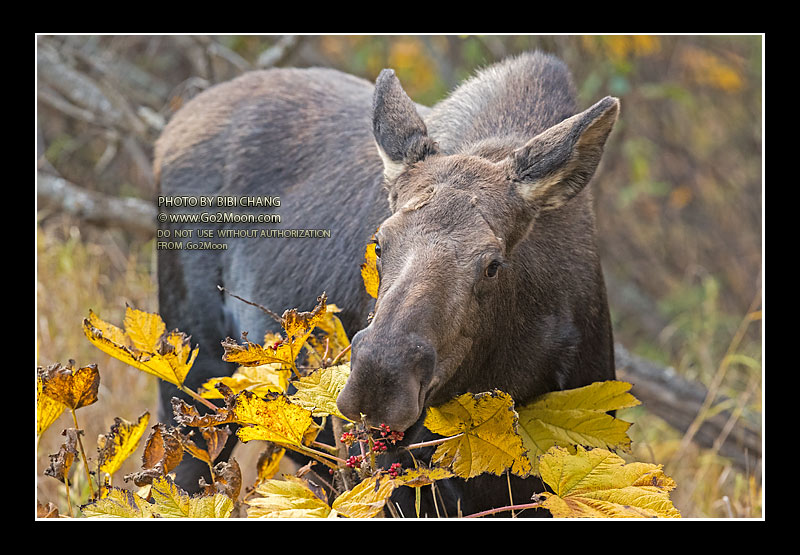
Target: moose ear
557	164
400	133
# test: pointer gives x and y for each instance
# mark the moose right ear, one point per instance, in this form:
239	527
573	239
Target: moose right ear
557	164
400	133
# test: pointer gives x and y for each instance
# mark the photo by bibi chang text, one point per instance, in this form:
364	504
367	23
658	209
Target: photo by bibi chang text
219	201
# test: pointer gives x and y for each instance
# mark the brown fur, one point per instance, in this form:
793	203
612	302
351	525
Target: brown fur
490	277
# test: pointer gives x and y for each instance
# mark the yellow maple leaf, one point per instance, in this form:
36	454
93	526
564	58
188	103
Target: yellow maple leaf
598	483
365	500
489	441
47	409
288	498
123	439
273	418
576	417
319	390
369	271
170	501
144	345
258	379
72	387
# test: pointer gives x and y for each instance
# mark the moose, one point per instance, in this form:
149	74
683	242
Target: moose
486	245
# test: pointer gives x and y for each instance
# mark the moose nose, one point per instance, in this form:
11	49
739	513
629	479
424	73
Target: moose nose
388	379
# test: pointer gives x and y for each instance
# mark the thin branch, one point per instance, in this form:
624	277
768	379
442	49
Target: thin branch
267	311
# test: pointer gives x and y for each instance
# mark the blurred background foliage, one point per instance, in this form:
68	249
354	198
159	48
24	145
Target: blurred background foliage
679	198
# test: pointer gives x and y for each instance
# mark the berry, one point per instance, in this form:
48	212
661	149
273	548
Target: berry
379	446
387	432
348	438
395	469
355	461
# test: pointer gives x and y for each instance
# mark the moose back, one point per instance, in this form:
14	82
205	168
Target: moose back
486	244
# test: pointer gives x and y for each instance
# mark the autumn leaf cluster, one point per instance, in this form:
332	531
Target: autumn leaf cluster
567	438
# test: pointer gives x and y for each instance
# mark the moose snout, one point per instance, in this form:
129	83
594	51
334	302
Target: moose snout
388	379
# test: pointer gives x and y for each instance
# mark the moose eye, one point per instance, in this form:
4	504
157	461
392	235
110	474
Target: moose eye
491	269
378	250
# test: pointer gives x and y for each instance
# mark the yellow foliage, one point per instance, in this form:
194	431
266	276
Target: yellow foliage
169	501
367	499
297	326
288	498
369	271
47	409
274	419
119	503
258	379
172	502
336	337
598	483
319	390
489	441
707	68
576	417
73	388
123	439
418	477
144	344
622	47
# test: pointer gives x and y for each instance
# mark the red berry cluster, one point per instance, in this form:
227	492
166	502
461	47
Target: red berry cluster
348	438
378	446
395	470
355	461
390	435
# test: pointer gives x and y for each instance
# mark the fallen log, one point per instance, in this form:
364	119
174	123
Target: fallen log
678	401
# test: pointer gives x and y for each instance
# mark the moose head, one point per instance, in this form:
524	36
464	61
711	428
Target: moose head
459	254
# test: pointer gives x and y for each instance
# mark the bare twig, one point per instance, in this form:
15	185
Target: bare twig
251	303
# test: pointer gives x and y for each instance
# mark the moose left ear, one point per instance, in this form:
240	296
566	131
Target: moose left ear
557	164
400	133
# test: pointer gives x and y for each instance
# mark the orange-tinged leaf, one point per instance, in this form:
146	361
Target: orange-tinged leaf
168	356
598	483
369	271
253	354
162	454
117	445
74	388
61	462
489	441
367	499
273	418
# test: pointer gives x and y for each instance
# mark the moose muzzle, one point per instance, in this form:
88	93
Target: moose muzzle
389	378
